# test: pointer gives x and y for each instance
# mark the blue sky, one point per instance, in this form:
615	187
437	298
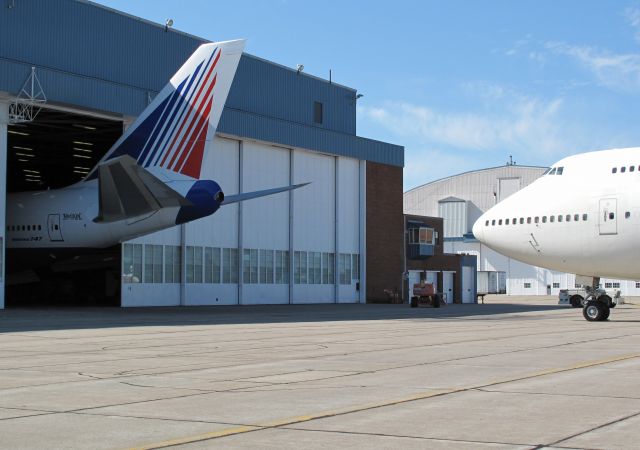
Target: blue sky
461	84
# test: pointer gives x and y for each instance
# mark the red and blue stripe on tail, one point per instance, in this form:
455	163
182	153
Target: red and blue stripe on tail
171	133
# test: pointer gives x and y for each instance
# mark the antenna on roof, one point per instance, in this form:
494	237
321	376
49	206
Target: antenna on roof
511	162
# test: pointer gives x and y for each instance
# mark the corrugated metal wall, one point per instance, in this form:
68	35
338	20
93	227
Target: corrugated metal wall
480	188
97	58
455	218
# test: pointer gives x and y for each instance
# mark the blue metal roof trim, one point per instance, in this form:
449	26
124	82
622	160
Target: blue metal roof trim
289	134
100	59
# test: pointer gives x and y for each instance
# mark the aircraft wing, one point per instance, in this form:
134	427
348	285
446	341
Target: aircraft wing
126	190
228	199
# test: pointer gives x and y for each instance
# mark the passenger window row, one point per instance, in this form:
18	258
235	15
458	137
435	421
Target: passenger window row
623	169
538	219
24	227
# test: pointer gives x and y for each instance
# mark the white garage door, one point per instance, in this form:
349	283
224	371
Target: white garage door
447	285
467	285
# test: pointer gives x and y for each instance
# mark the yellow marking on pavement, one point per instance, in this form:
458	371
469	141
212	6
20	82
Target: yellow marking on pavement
381	404
197	438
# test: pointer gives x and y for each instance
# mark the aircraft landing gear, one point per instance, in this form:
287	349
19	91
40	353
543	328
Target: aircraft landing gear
596	310
597	304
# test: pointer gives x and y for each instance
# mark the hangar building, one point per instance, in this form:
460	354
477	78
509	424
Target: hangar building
98	69
461	199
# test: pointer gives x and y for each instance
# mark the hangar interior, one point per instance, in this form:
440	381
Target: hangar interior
52	150
279	127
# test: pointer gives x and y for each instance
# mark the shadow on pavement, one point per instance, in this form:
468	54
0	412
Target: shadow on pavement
19	320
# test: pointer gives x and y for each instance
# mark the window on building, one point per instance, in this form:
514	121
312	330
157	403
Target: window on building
300	268
577	285
332	267
422	235
250	261
527	285
152	263
344	268
317	112
132	263
266	266
637	285
616	284
282	267
172	267
608	285
212	265
355	267
325	268
556	285
230	265
193	262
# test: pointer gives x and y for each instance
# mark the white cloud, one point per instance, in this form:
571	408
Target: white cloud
516	124
616	71
633	17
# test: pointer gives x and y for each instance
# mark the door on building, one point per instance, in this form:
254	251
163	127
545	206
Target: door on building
608	216
468	287
507	187
447	286
432	277
53	227
414	278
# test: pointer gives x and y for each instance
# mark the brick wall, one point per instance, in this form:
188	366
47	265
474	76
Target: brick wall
385	230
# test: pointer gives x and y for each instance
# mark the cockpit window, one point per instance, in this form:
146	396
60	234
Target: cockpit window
546	171
553	171
560	170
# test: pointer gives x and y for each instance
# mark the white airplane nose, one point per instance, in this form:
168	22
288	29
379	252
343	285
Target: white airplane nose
478	229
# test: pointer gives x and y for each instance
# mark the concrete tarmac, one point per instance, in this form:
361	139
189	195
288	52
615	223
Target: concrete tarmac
516	372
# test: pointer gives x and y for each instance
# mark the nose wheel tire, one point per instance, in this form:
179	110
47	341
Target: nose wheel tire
596	311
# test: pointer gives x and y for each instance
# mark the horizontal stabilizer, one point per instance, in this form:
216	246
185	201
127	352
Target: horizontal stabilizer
255	194
126	190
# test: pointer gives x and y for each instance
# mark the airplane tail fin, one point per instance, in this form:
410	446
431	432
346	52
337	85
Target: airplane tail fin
172	131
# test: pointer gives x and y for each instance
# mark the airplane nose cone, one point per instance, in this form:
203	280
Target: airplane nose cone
478	229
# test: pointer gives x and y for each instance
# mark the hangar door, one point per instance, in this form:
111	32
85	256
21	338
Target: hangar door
468	288
507	186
